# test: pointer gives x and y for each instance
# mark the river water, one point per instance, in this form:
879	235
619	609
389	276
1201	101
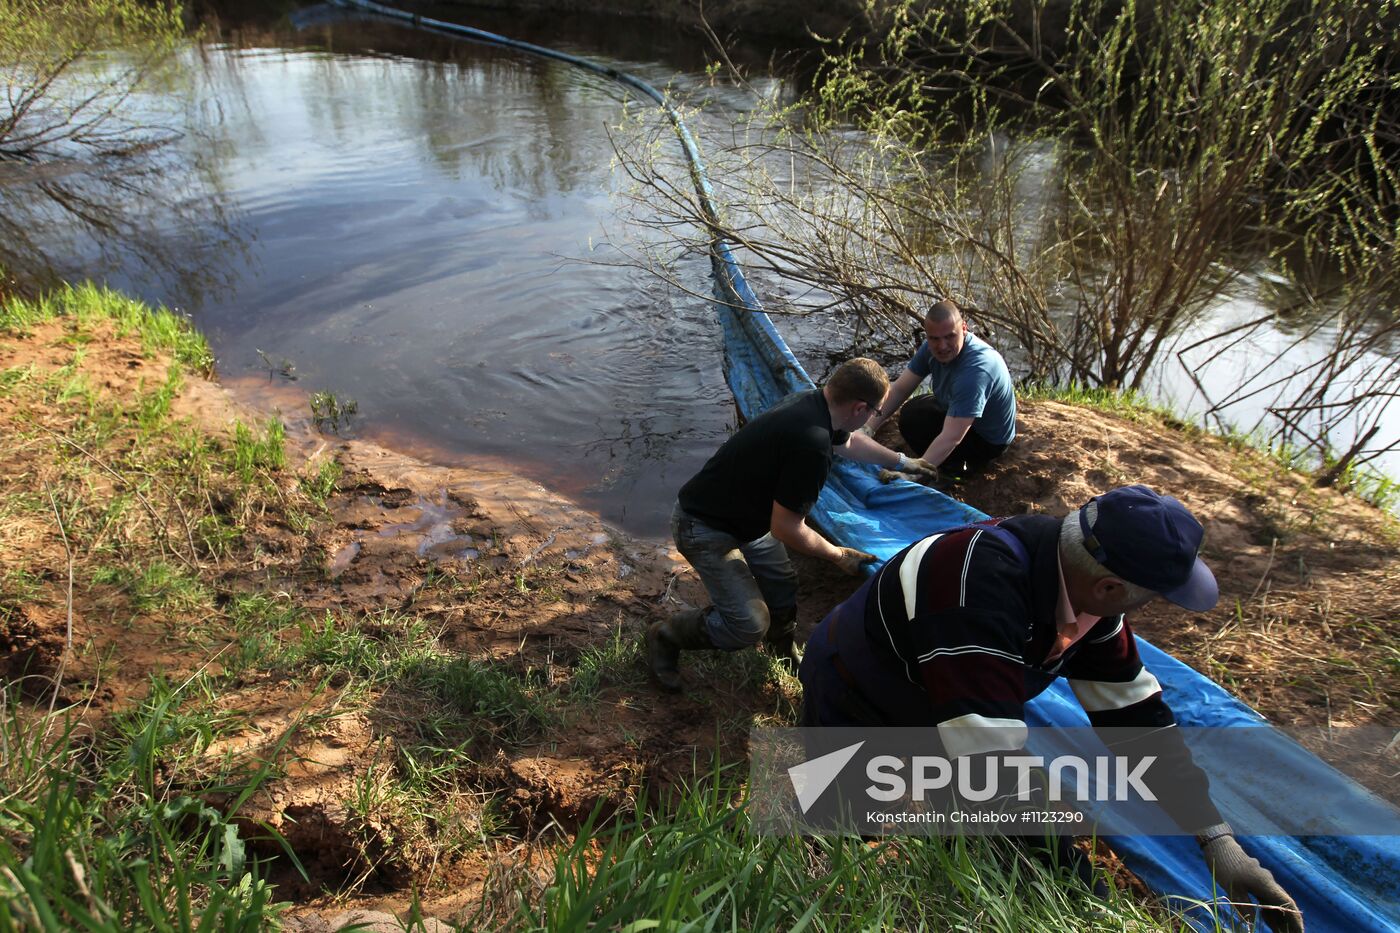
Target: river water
425	226
431	228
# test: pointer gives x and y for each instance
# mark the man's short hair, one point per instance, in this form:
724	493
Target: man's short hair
943	310
1077	559
858	380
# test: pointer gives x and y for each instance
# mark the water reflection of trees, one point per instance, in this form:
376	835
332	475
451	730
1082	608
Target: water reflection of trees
158	214
475	110
95	175
1330	387
513	120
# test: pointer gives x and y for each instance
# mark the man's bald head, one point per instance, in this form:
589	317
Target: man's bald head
943	311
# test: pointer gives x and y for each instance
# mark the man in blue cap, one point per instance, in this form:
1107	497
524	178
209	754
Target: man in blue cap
960	629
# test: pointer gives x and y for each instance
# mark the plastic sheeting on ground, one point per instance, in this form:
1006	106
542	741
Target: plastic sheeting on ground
1343	884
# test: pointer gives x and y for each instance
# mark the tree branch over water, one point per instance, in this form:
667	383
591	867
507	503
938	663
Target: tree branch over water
1093	179
71	68
90	177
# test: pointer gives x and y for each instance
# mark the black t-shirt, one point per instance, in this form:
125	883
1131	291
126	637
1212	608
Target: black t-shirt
781	456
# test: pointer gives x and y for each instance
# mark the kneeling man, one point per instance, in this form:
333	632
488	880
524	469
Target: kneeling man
968	418
736	518
961	629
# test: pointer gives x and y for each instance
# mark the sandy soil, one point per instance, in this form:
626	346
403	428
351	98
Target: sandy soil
1310	577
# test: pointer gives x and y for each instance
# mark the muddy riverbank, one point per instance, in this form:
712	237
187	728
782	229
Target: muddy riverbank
441	664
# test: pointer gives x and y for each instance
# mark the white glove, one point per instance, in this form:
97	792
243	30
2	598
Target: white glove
1241	875
914	469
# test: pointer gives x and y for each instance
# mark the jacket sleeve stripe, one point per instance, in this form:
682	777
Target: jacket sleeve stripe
940	583
909	573
1098	695
967	563
975	735
971	649
879	592
1111	635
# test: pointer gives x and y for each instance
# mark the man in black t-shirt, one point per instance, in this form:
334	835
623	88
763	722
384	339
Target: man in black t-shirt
735	519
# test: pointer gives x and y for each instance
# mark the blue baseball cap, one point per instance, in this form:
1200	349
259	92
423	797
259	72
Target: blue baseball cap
1152	541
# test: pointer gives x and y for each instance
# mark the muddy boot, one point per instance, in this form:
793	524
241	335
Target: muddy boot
667	638
782	627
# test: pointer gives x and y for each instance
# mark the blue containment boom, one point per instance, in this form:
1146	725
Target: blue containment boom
1342	883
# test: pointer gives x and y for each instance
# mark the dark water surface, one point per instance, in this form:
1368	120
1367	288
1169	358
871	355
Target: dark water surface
428	235
432	227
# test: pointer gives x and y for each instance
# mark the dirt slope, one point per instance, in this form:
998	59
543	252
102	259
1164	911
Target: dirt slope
508	586
497	585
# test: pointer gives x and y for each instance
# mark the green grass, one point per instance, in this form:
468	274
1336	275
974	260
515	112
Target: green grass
69	382
748	670
86	304
700	865
167	473
1368	484
15	376
115	831
158	586
255	452
486	698
96	838
19	584
1128	403
616	661
257	622
415	799
153	408
400	652
348	648
320	485
331	413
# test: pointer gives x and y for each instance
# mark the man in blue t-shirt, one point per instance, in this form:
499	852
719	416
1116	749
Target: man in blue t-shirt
969	416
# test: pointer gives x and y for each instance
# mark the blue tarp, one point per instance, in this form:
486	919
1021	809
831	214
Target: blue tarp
1343	884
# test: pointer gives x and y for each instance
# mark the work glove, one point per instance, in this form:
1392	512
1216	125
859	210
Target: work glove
914	469
851	560
1241	875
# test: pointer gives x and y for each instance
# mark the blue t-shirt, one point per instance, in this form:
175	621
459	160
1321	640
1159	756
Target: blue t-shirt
975	385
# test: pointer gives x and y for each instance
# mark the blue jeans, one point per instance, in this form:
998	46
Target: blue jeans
745	579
